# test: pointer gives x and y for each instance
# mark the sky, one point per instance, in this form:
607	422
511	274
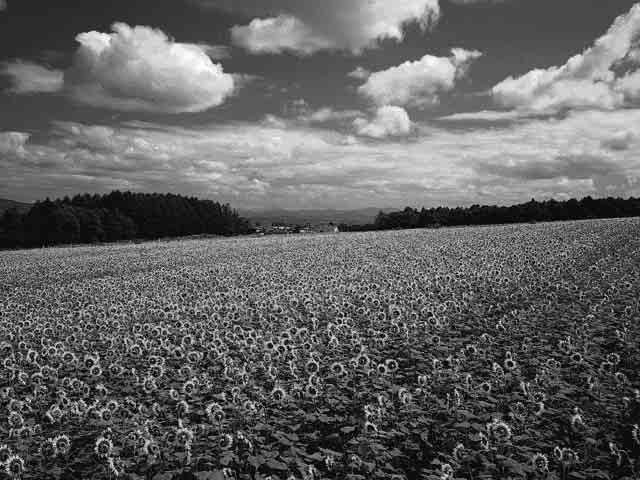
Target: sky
336	104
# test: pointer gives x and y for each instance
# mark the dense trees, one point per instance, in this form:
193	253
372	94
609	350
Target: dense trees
116	216
532	211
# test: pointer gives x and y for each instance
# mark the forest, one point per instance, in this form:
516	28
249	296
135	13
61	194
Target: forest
533	211
117	216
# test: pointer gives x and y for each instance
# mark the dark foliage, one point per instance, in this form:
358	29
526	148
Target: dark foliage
116	216
533	211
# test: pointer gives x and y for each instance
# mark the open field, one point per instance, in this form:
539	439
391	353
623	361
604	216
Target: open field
493	352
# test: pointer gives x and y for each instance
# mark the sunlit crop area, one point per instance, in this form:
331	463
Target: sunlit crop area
492	352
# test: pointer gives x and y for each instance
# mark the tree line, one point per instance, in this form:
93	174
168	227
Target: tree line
533	211
117	216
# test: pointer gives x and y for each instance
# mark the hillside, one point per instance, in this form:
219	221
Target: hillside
7	204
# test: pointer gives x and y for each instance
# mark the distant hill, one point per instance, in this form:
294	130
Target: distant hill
314	217
7	204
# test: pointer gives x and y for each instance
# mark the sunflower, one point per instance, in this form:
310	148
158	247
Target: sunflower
106	414
184	436
214	412
510	364
500	431
182	409
189	387
14	466
48	449
569	456
151	448
5	453
635	434
149	385
540	463
63	444
461	453
103	447
446	471
225	441
311	391
312	367
337	368
485	387
16	420
278	394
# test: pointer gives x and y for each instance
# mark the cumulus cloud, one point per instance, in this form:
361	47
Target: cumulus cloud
389	121
307	26
133	69
141	69
274	35
418	83
586	80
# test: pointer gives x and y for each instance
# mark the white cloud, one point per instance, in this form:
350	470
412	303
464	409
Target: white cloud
284	165
481	116
418	83
307	26
28	77
587	80
141	69
388	121
629	85
274	35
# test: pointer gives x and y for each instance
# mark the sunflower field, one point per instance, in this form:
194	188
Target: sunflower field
504	352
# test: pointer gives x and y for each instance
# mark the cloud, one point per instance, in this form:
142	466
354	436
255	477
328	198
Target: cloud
307	26
133	69
275	35
587	80
359	73
619	140
28	77
299	112
298	166
3	5
573	167
388	121
216	52
13	142
141	69
418	83
482	116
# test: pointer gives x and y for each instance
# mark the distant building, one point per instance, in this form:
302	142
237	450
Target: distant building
327	228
